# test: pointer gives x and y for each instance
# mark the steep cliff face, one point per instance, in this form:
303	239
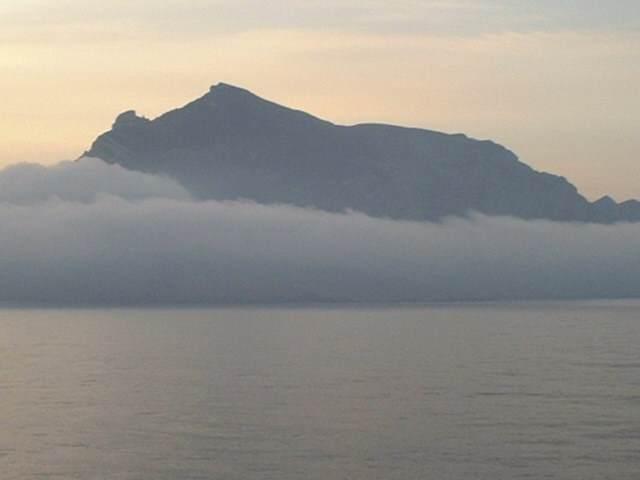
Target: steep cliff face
231	144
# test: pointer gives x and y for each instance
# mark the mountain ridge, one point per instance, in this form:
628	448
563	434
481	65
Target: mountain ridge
233	144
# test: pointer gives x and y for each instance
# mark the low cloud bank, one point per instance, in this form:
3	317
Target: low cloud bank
129	238
82	181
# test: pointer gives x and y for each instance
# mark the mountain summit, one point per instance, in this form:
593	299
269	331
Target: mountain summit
232	144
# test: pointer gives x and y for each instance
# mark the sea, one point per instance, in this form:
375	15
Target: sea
466	391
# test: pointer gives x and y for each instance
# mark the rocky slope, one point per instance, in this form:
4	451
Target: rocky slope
231	144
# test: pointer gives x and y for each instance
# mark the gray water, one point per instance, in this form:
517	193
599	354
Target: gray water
450	392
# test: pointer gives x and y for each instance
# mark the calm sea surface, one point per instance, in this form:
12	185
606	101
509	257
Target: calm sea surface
450	392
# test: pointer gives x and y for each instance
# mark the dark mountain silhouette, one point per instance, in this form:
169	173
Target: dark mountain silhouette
231	144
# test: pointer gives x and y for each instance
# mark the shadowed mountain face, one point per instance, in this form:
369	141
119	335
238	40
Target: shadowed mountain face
231	144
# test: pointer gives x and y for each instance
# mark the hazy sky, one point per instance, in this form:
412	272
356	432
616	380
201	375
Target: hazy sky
556	81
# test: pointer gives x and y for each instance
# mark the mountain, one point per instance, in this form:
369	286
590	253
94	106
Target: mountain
232	144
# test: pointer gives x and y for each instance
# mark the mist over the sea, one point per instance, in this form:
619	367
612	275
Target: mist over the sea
91	233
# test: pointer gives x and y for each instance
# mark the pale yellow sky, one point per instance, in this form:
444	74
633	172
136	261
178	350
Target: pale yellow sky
560	90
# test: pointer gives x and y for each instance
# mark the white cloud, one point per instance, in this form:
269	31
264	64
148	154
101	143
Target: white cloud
121	249
84	181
